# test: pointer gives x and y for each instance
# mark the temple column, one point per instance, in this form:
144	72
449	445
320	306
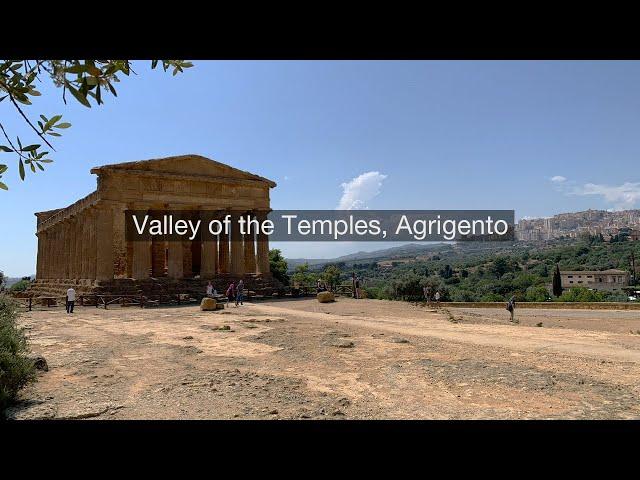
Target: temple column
249	249
63	254
141	259
223	251
91	261
56	251
51	242
104	242
175	265
84	262
40	237
188	270
119	240
77	254
72	238
47	253
237	253
66	250
262	249
141	268
50	254
209	259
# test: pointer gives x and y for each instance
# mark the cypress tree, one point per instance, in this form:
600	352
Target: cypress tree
557	282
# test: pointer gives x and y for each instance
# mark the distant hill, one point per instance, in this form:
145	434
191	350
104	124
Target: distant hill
12	280
410	249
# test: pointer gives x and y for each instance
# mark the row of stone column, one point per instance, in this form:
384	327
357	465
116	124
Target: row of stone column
248	254
68	249
235	254
91	245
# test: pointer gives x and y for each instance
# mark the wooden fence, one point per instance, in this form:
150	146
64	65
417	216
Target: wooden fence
105	301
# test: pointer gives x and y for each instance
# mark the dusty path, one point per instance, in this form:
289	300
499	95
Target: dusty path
349	359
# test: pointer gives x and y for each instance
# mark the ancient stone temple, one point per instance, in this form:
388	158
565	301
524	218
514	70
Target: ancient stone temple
85	245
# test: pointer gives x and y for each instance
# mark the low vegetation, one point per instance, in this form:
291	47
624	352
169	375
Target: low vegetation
20	286
494	272
16	369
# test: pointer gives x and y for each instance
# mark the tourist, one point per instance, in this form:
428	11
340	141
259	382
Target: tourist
71	299
353	283
427	293
210	290
357	286
437	296
240	293
511	306
231	292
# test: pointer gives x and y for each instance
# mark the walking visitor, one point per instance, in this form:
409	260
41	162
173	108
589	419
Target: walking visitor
71	299
511	306
231	292
240	293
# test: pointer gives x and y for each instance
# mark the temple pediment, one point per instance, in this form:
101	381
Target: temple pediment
191	165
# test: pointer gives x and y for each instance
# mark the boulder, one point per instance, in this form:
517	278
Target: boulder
40	363
326	297
208	304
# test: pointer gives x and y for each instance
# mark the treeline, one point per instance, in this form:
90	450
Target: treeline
468	273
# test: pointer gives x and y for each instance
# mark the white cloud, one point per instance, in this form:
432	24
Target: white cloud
359	190
623	196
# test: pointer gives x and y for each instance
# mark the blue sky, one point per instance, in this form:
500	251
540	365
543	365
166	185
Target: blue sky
440	135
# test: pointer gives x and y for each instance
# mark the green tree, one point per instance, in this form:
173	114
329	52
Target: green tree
20	286
499	267
331	276
302	276
278	266
557	282
84	80
446	272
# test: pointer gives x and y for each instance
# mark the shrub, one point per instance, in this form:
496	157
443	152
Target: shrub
20	286
16	369
538	293
376	292
492	297
581	294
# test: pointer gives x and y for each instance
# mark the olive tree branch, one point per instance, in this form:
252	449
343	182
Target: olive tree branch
11	143
15	104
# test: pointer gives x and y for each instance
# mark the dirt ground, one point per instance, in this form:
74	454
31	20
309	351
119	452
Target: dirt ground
366	359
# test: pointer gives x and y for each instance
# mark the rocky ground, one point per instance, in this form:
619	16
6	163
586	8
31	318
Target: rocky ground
349	359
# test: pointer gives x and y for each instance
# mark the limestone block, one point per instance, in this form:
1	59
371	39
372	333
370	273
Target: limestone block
326	297
208	304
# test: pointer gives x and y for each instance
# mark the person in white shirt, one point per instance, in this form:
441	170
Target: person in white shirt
210	290
71	299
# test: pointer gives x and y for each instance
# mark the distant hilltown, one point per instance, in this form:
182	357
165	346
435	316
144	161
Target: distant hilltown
592	222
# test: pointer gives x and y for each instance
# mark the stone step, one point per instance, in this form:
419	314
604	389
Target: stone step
148	287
